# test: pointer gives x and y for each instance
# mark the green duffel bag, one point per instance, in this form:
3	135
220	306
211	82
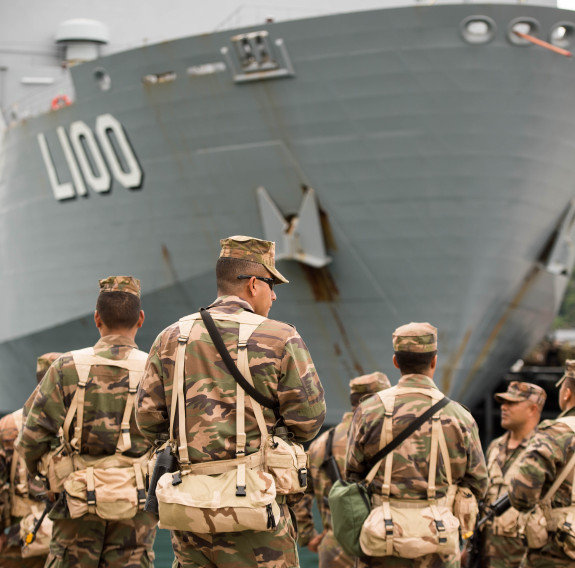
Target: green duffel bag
350	506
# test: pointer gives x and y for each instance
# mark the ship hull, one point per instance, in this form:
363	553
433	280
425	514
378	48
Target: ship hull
442	169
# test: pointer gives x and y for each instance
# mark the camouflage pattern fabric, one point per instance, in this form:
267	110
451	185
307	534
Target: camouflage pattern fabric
92	542
319	485
127	284
253	250
282	370
501	551
281	367
411	459
548	451
11	555
275	549
415	338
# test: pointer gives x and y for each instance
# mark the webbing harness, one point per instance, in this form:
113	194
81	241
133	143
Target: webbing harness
248	322
438	443
84	359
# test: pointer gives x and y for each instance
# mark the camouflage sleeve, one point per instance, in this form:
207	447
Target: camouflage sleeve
475	478
45	417
28	404
4	478
537	467
300	393
151	410
355	467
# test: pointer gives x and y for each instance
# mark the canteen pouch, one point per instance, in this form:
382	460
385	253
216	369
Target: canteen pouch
564	519
466	509
41	544
406	530
111	488
533	528
209	503
56	466
350	506
287	462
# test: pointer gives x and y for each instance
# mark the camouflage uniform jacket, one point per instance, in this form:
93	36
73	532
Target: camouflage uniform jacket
23	487
411	459
499	463
105	400
548	451
281	368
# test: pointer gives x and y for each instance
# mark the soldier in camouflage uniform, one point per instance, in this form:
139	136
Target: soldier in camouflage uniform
320	483
282	370
91	541
415	347
521	407
10	543
547	453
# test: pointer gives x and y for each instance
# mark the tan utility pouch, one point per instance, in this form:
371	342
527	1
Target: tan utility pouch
210	504
19	502
56	466
218	496
111	487
41	544
533	528
465	508
286	461
411	528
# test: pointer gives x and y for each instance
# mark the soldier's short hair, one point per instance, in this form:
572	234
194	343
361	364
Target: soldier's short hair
119	310
413	363
228	269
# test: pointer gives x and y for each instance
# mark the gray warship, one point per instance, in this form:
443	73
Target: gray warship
412	163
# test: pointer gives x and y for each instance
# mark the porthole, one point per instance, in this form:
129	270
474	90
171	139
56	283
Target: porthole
102	79
562	34
528	26
478	30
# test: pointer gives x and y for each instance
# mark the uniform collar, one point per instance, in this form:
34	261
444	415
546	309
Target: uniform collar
568	412
113	340
231	304
418	381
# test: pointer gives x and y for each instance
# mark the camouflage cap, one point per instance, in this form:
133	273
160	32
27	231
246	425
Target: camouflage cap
415	337
372	383
518	391
569	372
43	363
254	250
121	284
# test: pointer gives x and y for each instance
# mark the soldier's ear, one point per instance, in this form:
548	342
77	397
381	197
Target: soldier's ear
141	318
97	319
434	362
395	362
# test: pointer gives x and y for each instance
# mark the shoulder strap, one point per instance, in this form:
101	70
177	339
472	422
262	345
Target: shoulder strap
232	368
329	445
410	429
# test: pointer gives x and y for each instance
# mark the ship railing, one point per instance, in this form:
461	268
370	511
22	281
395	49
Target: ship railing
47	98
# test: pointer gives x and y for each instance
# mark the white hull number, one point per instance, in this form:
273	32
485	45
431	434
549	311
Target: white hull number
92	158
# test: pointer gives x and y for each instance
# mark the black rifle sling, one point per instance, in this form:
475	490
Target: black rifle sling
410	430
232	368
329	445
